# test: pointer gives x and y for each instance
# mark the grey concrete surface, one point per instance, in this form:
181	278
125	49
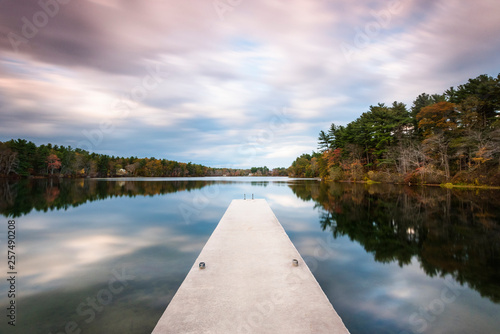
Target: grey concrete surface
249	284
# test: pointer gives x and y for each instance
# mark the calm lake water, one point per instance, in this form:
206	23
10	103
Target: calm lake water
107	256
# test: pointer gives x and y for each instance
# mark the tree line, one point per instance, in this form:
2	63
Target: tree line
450	137
22	158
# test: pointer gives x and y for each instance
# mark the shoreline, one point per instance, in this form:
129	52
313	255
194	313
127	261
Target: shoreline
442	185
368	182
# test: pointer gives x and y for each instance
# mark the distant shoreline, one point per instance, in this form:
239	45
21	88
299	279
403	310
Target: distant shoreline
48	177
443	185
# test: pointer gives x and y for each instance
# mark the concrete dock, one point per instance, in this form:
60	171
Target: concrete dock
250	283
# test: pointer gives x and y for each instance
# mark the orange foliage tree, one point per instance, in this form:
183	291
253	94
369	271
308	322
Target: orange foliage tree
438	118
53	163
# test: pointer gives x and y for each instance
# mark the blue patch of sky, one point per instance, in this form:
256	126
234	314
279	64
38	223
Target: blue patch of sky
22	68
199	124
245	44
15	66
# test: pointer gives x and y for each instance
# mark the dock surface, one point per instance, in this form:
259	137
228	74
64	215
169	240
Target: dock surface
249	284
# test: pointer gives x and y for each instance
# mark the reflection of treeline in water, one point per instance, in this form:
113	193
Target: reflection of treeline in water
19	197
453	232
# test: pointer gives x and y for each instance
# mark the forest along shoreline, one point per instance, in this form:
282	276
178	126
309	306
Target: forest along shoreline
368	182
450	139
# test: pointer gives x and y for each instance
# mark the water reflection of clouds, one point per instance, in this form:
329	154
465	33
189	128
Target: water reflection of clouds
364	291
319	247
288	201
357	286
50	261
371	294
296	221
64	245
77	250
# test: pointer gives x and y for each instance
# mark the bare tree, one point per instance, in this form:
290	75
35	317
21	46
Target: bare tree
8	160
437	146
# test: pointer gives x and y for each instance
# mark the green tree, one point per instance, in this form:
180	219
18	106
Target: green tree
26	153
301	167
487	91
323	141
103	165
337	135
40	165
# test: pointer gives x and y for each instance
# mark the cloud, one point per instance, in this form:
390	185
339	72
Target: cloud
221	77
107	36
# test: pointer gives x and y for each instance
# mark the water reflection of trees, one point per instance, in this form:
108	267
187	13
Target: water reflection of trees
20	197
454	232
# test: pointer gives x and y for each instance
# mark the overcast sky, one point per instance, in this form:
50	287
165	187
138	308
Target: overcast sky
232	83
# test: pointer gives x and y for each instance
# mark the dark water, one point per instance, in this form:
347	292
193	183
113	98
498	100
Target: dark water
106	256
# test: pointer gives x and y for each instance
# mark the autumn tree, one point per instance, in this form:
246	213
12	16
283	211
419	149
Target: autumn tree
439	123
153	167
53	163
422	101
438	118
132	167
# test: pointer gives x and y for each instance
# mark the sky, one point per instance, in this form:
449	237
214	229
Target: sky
226	83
